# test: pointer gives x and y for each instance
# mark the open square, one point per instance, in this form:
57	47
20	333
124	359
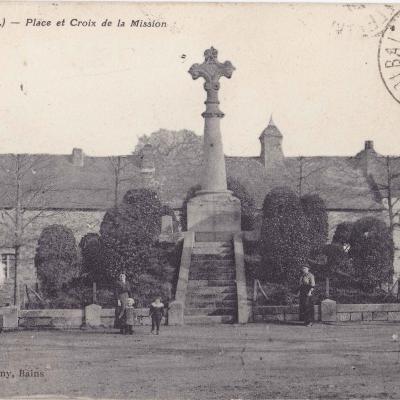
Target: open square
256	361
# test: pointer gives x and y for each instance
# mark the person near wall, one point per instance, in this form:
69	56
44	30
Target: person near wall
123	293
306	288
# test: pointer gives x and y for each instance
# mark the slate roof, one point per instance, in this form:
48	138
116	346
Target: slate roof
91	186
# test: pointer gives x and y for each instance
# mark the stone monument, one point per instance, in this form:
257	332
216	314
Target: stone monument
214	208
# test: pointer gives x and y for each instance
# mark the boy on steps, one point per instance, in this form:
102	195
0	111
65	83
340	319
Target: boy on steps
156	313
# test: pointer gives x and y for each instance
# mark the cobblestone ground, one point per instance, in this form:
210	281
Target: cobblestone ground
218	362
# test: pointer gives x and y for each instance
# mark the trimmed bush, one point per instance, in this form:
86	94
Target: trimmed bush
315	211
372	250
56	259
129	233
284	242
247	205
342	233
92	258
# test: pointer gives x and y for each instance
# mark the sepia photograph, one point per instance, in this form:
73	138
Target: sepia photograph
199	201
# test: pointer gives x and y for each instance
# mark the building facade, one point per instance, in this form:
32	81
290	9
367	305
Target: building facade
76	190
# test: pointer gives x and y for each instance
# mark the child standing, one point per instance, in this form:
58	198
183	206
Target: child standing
156	313
127	317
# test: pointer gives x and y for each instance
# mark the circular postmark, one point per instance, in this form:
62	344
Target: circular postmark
389	56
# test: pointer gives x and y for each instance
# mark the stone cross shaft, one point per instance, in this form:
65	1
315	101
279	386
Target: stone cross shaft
214	178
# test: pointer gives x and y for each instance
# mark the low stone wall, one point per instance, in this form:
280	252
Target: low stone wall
280	313
74	319
368	312
177	307
243	304
51	318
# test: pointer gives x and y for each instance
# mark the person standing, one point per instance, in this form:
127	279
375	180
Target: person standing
127	317
156	314
123	293
306	306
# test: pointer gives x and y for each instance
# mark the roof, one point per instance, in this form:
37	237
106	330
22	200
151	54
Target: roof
271	130
54	181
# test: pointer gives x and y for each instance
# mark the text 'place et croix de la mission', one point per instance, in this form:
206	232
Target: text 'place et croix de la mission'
90	23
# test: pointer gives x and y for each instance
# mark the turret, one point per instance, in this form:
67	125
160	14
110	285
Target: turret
271	146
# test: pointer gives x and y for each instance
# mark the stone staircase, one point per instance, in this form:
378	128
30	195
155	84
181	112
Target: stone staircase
211	291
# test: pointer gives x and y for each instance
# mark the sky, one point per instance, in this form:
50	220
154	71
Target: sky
313	67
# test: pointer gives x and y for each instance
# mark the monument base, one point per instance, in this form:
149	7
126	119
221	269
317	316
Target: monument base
214	212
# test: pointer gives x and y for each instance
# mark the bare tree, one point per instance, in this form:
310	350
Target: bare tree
28	181
388	185
302	173
118	166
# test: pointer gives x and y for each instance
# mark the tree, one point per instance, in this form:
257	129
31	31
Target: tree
372	249
315	211
284	242
117	166
166	143
92	257
388	186
30	182
247	205
129	233
342	235
56	259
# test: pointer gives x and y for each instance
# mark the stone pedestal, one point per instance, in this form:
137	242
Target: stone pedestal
8	318
175	313
214	212
93	316
328	310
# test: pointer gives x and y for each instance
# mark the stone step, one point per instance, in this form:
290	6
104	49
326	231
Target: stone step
208	319
212	275
225	243
211	251
206	297
209	257
212	303
211	263
215	270
209	311
213	236
210	283
197	289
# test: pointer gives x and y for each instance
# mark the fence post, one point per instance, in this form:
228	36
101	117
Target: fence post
94	293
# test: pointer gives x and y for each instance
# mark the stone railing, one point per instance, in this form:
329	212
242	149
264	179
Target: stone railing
280	313
177	307
92	316
333	312
243	306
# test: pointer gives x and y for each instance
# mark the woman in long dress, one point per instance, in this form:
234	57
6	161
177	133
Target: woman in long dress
123	293
306	309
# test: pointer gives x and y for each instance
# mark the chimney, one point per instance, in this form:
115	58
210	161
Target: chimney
369	145
77	157
147	166
366	158
271	147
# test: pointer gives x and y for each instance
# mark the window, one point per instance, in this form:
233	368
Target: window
7	260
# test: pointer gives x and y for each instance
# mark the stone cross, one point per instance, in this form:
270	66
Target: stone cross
214	178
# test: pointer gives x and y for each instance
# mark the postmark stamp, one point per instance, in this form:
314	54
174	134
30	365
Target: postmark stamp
389	56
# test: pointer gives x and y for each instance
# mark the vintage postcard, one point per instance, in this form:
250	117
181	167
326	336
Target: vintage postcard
199	200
